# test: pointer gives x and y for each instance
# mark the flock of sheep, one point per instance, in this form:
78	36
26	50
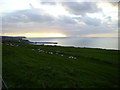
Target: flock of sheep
41	51
50	52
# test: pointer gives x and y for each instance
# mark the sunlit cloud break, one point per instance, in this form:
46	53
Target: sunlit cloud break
59	19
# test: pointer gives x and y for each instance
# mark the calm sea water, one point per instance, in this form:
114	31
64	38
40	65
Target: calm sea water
91	42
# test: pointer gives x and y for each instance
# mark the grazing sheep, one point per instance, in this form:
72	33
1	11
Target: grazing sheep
33	49
7	44
10	44
57	51
39	49
71	57
61	55
50	52
75	58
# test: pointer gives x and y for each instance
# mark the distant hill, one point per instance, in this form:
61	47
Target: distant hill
15	39
12	37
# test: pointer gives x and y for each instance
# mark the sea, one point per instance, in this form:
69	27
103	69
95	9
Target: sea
83	42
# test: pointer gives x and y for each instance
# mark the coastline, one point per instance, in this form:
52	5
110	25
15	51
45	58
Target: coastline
23	62
90	42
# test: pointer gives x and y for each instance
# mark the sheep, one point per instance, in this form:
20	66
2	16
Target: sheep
61	55
56	53
50	52
75	58
72	57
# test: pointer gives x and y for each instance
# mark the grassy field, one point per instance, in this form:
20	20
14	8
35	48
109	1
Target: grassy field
30	66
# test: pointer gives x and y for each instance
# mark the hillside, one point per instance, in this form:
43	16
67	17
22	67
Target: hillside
30	66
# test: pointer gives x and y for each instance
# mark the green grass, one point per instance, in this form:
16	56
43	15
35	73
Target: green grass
27	68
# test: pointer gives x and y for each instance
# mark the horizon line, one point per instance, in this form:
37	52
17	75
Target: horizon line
49	37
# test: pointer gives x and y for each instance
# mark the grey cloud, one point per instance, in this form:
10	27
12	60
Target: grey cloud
59	26
88	20
35	20
86	29
34	16
48	3
72	20
38	16
25	20
30	15
91	21
65	20
81	8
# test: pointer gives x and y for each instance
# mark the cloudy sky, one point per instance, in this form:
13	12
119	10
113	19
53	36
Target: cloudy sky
34	18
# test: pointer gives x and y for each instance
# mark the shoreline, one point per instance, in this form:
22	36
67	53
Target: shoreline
78	47
92	42
65	43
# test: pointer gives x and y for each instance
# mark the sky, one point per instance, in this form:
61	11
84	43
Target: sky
35	18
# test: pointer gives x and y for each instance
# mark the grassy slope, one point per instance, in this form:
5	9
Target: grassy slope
24	67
